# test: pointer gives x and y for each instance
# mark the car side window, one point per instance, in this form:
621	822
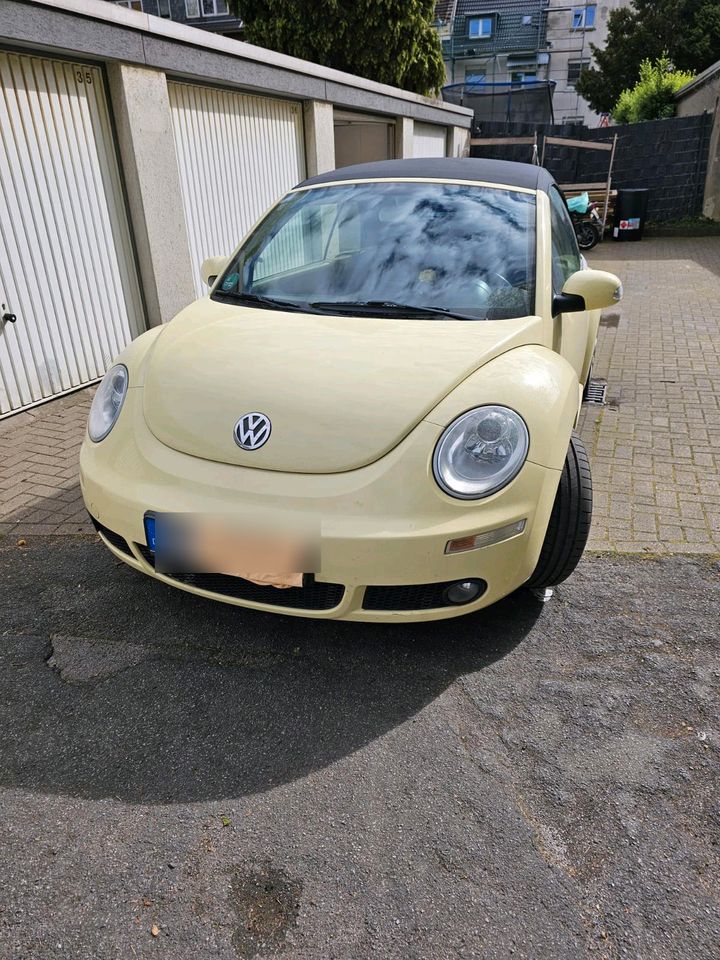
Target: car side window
565	251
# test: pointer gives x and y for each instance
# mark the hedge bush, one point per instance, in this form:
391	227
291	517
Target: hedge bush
653	96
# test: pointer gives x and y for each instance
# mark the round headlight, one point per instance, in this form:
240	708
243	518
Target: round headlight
480	452
107	402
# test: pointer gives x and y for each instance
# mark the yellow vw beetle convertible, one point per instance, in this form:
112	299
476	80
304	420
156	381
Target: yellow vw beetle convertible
370	415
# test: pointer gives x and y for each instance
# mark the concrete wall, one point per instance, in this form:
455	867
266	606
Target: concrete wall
319	137
711	203
145	140
141	52
459	142
701	95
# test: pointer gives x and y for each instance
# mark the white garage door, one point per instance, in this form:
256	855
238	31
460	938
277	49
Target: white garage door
67	271
429	140
237	155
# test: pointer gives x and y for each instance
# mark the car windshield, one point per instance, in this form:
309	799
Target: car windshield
401	249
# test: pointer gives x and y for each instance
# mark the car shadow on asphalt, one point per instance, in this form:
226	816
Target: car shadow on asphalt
115	685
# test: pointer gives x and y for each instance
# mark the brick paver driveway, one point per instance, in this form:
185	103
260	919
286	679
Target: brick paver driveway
655	446
39	449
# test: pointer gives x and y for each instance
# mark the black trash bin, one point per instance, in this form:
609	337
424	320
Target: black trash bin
630	213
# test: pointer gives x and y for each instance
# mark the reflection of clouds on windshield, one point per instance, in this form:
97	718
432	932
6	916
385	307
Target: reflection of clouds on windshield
458	248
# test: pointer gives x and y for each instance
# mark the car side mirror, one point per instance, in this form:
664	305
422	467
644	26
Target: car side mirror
588	290
211	268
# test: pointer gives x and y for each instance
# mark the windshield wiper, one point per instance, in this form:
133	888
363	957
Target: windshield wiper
354	306
414	309
258	300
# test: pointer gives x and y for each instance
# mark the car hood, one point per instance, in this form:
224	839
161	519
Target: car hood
340	391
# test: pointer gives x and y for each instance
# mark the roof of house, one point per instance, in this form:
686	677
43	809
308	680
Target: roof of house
445	9
511	33
700	80
505	172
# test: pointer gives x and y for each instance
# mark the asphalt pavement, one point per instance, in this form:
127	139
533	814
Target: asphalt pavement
186	779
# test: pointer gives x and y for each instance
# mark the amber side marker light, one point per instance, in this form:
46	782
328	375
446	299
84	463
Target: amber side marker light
478	540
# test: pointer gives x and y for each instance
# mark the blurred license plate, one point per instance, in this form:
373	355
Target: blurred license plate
150	532
185	543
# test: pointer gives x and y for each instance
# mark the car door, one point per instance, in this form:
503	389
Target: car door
573	330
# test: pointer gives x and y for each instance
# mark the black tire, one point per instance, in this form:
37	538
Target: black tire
588	235
569	524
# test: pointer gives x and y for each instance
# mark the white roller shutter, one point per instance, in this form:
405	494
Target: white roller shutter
67	270
429	140
237	155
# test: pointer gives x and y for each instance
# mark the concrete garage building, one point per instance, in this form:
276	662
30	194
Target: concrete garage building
702	96
131	148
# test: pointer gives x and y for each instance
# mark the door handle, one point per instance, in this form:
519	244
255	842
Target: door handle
9	318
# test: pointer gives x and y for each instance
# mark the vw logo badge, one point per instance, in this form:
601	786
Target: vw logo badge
252	431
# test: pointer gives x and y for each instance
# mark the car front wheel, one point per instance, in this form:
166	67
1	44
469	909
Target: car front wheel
569	524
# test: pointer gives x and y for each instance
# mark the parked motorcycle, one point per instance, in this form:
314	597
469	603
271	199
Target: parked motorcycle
586	220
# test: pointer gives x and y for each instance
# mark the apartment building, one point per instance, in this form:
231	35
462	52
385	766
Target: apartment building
213	15
513	41
492	40
570	30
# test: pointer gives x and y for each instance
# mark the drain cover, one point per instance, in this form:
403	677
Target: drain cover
595	391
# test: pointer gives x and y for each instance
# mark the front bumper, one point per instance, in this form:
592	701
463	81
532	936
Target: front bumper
383	525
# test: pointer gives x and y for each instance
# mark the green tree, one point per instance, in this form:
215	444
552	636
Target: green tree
653	96
687	31
391	41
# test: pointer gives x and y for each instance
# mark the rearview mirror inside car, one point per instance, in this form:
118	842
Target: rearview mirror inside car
588	290
211	269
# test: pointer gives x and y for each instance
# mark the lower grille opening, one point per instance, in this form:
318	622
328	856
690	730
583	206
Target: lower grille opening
312	595
120	543
417	596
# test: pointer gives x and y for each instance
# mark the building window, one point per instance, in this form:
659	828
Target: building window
583	18
192	9
520	76
164	8
480	28
475	77
215	8
130	4
575	68
527	21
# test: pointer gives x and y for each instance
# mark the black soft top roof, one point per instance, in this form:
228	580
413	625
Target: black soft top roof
504	172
